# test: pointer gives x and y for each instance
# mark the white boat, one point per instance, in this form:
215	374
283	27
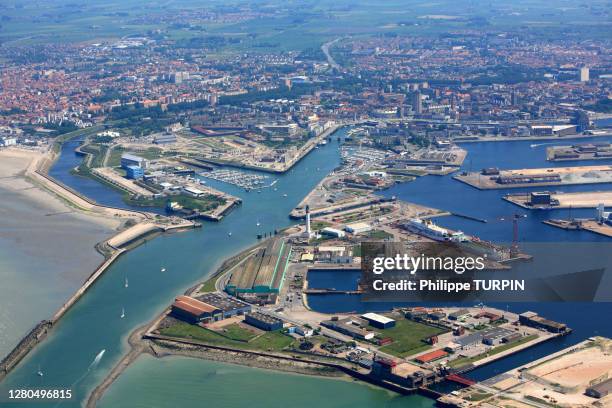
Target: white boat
285	195
39	372
229	234
122	313
258	224
431	230
163	269
126	283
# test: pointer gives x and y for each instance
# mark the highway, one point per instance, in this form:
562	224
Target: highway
330	60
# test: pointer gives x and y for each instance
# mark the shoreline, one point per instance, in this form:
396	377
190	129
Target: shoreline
140	342
163	349
35	174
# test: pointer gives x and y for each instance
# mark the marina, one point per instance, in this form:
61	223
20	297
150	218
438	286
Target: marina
247	181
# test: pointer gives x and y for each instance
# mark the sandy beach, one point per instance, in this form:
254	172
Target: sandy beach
47	247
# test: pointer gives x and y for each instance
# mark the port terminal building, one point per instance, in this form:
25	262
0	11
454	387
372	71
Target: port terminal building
260	277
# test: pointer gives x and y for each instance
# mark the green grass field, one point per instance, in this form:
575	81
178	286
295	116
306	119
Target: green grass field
237	333
209	285
234	336
298	27
408	337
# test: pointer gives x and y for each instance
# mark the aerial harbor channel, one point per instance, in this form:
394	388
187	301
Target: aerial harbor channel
94	332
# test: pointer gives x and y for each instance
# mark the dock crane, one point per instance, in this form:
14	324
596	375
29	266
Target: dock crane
514	218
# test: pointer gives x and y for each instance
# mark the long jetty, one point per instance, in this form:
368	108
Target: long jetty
115	247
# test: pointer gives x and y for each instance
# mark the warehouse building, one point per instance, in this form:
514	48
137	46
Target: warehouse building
458	314
553	130
351	326
540	198
229	306
496	335
532	319
511	338
128	159
193	192
166	138
260	278
379	321
333	232
334	254
263	321
195	311
431	356
358	228
529	179
488	336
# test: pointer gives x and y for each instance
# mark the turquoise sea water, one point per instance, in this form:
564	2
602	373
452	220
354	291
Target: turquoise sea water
68	356
181	381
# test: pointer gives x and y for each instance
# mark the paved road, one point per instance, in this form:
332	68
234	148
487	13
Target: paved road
330	60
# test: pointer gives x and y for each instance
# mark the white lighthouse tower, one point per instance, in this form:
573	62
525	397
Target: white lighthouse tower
308	233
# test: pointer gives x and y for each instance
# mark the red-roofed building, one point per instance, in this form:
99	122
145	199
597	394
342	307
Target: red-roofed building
432	356
195	311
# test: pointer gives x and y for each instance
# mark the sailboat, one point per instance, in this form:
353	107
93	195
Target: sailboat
122	312
125	285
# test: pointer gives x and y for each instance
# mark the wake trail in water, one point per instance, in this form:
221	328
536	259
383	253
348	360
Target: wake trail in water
93	365
541	144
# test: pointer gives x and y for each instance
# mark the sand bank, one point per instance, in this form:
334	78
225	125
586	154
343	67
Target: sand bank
47	248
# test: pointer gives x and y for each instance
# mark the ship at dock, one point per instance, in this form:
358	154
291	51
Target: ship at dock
471	244
430	230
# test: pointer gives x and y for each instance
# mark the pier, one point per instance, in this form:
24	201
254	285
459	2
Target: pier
469	217
582	224
299	212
